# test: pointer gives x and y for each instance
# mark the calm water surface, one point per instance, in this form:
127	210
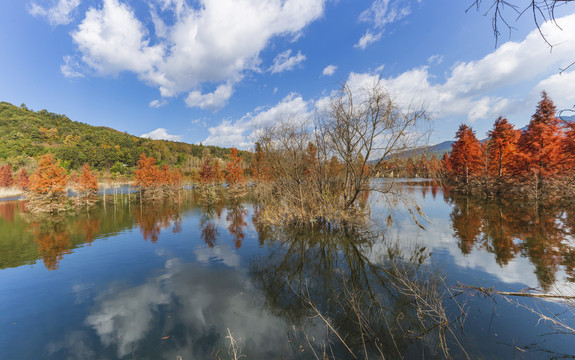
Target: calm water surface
130	281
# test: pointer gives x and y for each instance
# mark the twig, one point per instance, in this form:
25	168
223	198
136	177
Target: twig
490	291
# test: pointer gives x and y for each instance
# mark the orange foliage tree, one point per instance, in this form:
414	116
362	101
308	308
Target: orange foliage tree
540	147
6	178
87	185
147	175
502	148
155	182
218	174
48	185
234	171
465	160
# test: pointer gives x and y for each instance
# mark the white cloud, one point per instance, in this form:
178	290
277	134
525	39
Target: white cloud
380	14
158	103
285	62
71	68
383	12
241	133
212	44
329	70
435	59
471	89
161	134
211	101
367	39
559	87
60	13
112	40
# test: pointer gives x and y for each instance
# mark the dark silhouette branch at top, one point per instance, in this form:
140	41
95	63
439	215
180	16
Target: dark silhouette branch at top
541	10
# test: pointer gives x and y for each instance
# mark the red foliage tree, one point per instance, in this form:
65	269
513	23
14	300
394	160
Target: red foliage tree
466	159
207	172
23	179
234	171
6	178
540	145
502	148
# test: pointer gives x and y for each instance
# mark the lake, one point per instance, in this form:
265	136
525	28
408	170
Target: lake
180	281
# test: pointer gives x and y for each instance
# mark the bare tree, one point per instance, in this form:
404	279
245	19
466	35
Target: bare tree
321	170
363	127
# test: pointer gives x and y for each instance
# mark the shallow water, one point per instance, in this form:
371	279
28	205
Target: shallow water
127	280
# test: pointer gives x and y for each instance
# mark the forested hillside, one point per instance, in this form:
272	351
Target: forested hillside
25	134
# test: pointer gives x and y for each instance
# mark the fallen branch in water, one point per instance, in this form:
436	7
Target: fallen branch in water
492	291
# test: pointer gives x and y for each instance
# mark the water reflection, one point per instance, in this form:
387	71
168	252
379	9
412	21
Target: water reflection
208	226
25	238
236	222
508	230
152	218
53	241
381	302
185	312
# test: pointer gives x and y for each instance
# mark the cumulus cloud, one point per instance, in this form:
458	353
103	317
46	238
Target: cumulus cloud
210	101
470	89
60	13
241	133
112	40
285	62
190	46
329	70
161	134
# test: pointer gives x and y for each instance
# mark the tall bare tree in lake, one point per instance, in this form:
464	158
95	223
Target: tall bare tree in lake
358	128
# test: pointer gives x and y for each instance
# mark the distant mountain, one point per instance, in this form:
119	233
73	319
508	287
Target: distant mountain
26	134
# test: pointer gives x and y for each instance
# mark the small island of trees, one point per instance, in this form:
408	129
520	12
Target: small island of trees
537	162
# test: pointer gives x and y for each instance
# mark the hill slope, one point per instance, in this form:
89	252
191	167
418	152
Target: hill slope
25	133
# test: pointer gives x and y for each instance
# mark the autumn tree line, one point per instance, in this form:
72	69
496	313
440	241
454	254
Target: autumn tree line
537	162
47	187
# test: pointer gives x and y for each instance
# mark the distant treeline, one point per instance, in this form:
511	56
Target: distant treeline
26	134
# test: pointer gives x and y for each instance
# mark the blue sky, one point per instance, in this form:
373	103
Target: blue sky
212	71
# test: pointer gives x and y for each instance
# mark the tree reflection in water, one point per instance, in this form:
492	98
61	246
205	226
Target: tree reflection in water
208	228
153	218
236	222
53	240
380	301
511	229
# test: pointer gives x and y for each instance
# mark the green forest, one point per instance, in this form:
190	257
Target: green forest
26	134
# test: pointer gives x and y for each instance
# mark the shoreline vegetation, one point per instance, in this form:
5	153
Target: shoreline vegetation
536	162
